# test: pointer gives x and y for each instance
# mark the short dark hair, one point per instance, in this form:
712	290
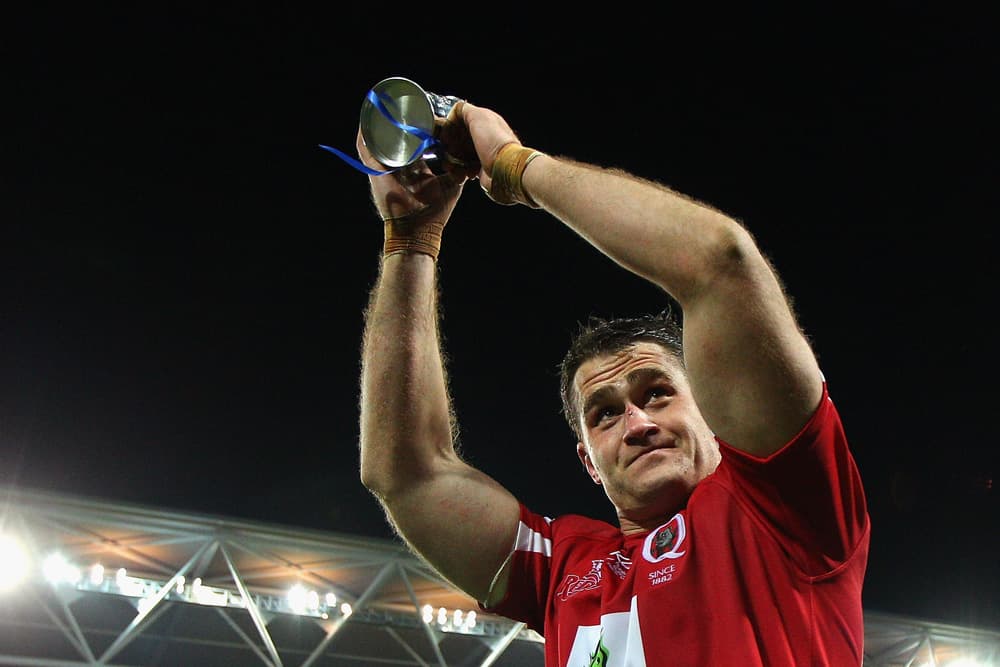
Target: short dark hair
599	336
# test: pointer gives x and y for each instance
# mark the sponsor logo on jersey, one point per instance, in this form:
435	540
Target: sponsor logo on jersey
574	583
614	641
665	541
616	562
599	658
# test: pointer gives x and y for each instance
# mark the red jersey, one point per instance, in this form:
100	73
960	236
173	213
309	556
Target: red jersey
762	568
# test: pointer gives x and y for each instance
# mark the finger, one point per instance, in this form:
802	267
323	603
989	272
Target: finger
457	174
364	154
455	114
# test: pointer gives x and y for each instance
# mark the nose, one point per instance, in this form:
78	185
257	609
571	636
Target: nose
638	425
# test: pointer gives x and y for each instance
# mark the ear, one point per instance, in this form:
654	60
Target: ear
581	451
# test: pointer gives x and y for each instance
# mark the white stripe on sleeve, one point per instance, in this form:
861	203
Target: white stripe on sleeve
532	540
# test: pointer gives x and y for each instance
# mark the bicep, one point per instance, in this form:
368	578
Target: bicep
461	521
753	372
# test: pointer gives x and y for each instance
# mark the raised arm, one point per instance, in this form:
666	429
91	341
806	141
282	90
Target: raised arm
458	519
752	371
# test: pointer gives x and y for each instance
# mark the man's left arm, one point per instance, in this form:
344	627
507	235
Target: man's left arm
753	373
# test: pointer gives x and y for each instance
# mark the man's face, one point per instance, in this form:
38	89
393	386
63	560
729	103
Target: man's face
644	438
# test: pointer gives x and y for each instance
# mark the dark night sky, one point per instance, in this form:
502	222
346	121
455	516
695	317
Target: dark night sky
184	270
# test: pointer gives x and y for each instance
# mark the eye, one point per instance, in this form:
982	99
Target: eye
657	393
603	416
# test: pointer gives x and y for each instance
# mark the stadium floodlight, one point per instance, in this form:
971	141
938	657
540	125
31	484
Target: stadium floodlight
13	563
58	570
209	595
297	599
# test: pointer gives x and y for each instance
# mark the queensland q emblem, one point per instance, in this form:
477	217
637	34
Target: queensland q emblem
665	541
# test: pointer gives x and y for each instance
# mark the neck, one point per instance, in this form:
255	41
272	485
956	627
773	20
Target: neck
630	524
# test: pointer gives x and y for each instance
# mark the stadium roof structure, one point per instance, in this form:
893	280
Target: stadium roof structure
108	583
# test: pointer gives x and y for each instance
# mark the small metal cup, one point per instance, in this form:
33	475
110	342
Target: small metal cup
410	106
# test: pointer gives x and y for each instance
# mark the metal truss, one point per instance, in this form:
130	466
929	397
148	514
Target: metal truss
144	586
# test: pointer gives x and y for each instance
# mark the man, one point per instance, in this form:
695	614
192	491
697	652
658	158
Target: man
743	530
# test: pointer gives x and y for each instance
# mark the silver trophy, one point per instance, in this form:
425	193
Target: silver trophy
398	124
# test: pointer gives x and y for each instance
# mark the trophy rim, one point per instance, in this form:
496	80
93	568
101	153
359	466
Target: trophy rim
380	135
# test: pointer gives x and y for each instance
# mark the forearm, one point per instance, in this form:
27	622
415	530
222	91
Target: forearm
457	518
405	412
669	239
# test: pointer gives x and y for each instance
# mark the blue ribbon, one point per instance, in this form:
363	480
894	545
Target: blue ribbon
379	101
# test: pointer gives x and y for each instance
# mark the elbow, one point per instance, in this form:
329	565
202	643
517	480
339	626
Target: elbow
732	257
374	471
370	480
376	477
389	474
722	256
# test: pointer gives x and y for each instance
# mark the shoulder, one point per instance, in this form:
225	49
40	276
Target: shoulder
824	430
575	529
566	528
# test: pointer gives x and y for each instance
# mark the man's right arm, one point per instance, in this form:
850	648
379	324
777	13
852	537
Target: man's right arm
458	519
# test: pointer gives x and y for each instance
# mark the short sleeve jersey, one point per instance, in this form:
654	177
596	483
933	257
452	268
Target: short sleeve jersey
762	568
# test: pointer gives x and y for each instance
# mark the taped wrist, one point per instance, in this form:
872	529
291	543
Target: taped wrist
402	235
505	178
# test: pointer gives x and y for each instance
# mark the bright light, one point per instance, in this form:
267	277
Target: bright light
96	574
457	619
13	563
312	601
128	585
58	570
297	599
53	567
331	599
346	610
208	595
965	662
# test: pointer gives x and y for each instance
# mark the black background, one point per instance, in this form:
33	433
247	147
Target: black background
184	271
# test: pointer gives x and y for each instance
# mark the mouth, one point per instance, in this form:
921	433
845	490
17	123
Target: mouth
650	450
